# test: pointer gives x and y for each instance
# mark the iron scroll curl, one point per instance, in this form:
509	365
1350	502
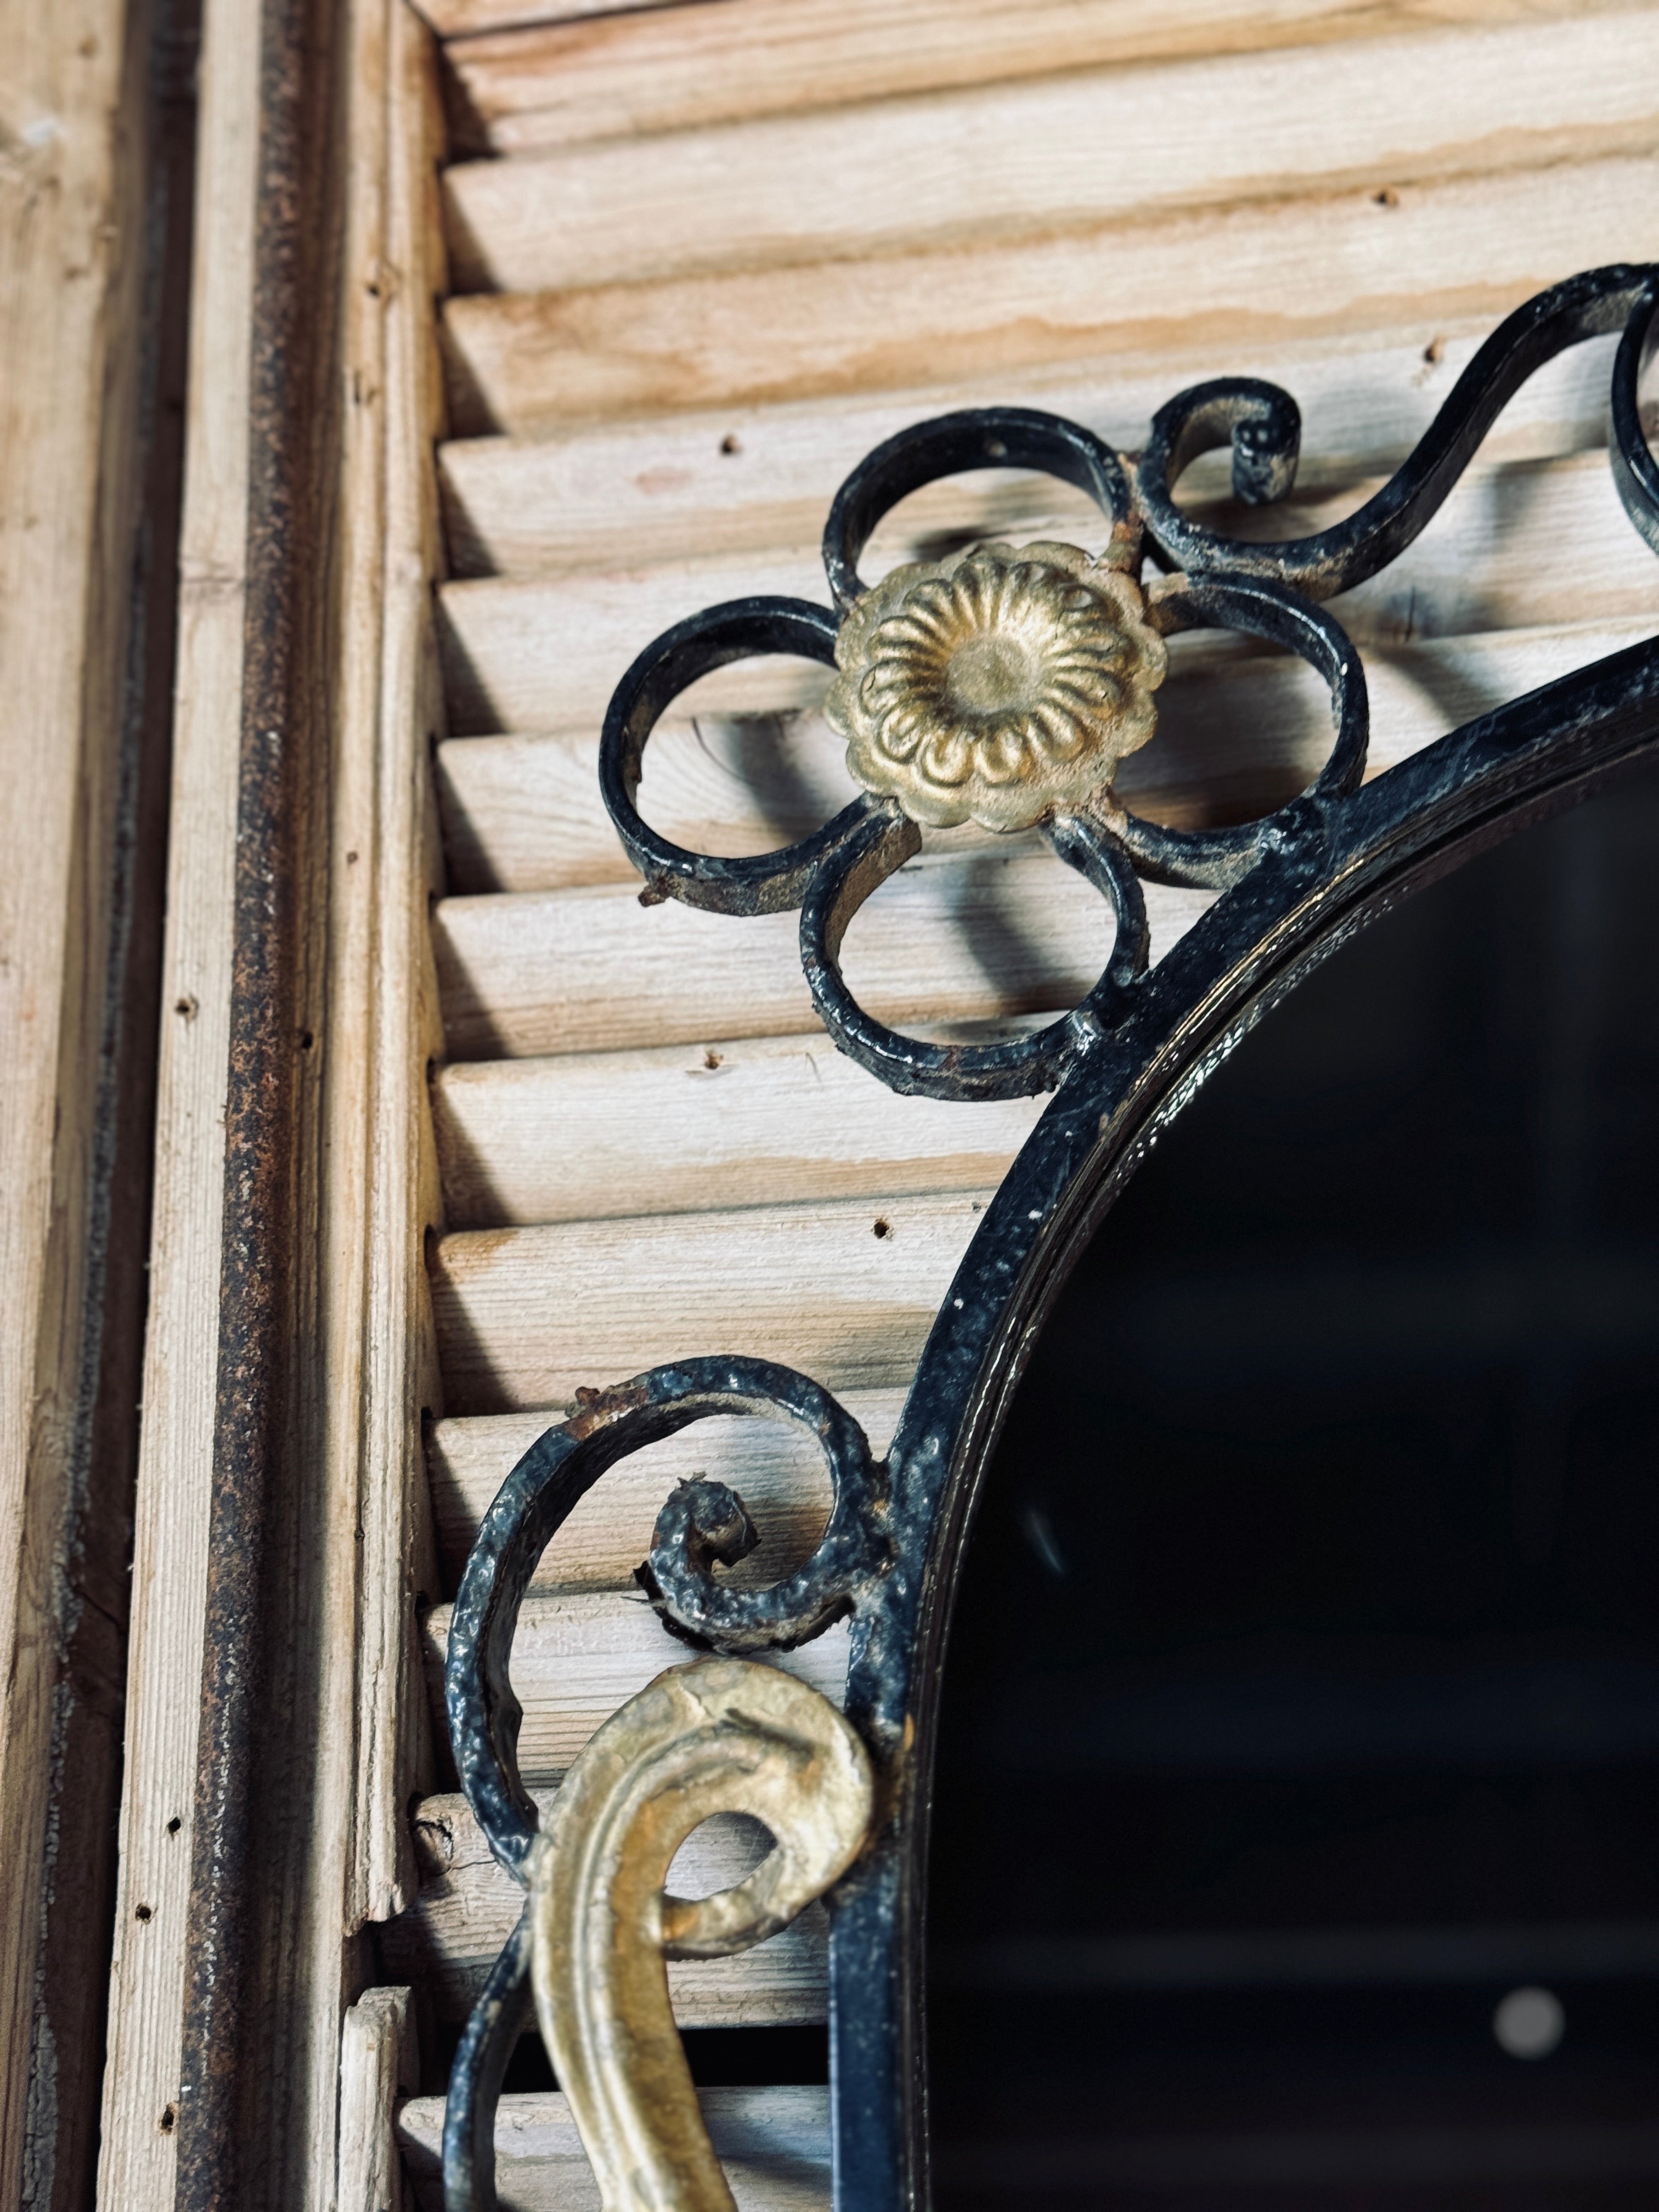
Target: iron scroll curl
1292	886
701	1522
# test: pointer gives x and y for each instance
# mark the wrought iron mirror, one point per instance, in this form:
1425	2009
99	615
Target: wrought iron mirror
1002	686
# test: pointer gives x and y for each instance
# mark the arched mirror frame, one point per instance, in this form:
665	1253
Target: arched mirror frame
1294	888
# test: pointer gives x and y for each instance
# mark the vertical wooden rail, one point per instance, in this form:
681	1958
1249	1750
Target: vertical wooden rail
84	240
282	1537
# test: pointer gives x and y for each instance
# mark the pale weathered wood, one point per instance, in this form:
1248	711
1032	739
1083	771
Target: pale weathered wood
450	1938
775	1467
683	1129
750	479
964	937
452	18
577	1655
75	150
549	84
1352	261
842	1290
351	1666
774	2143
1517	545
378	2060
164	1676
384	861
1022	161
523	813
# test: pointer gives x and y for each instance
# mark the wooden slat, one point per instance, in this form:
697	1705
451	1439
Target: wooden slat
523	813
386	862
138	2147
1352	261
549	84
347	1677
373	1211
577	1657
528	1316
749	479
968	938
775	1468
546	655
378	2059
774	2144
82	558
451	1936
682	1128
1022	161
455	18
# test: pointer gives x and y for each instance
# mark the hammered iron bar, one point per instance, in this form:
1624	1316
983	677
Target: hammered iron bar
1295	885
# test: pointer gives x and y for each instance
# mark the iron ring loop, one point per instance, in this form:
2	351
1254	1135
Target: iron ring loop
875	849
951	444
1213	859
738	629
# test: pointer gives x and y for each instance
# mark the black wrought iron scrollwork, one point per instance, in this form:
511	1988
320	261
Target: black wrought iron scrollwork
1268	591
1265	427
701	1522
1292	885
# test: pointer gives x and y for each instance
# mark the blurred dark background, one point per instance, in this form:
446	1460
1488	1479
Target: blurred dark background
1297	1839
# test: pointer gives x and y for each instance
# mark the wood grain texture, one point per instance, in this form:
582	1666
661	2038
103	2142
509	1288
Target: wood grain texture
969	938
523	813
774	2144
450	1938
1355	261
455	18
1013	161
577	1655
528	1316
1517	545
773	1467
548	84
379	2065
75	168
683	1129
750	479
347	1528
385	868
164	1668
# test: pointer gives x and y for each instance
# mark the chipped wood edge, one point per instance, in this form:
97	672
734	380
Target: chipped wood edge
377	2062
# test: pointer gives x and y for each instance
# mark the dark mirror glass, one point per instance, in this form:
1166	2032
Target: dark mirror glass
1296	1833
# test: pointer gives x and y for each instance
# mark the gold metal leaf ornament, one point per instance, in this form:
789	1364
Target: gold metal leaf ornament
996	686
721	1735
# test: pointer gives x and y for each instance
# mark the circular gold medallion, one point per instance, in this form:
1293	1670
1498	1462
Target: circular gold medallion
997	685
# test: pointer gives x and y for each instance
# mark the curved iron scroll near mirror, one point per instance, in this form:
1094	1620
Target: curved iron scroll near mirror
1004	686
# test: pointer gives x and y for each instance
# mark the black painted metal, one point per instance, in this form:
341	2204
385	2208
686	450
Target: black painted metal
1295	885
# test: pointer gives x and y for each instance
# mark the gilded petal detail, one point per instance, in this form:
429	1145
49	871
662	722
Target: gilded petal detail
997	685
